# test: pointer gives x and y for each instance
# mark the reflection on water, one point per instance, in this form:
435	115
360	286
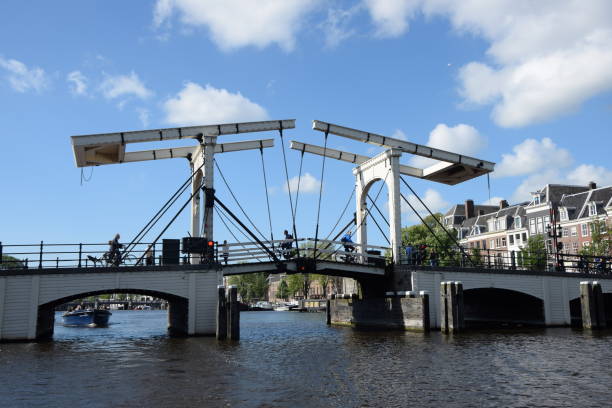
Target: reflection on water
288	359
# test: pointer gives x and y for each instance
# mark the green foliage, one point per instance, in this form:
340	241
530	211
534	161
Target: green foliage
283	290
420	234
251	286
533	255
323	280
299	284
10	262
476	257
600	240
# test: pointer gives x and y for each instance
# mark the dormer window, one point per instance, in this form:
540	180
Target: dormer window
592	209
517	222
563	215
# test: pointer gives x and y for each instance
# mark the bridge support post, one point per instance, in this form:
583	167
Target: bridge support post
451	307
221	331
592	305
233	314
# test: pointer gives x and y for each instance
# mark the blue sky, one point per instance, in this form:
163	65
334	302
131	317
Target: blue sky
520	83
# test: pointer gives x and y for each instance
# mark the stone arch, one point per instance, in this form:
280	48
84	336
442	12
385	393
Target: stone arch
497	306
178	309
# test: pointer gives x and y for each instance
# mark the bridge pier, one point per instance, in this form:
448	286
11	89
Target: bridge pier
592	305
228	313
451	307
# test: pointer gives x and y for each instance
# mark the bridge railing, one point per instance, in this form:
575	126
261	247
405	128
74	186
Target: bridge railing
506	260
244	252
81	255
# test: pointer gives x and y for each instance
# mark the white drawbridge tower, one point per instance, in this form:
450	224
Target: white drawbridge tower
110	148
452	169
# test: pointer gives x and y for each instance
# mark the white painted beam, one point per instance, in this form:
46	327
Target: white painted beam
408	147
178	152
354	158
112	145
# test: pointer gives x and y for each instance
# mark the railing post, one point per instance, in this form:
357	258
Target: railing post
40	259
25	265
153	252
57	262
80	253
489	258
512	259
1	253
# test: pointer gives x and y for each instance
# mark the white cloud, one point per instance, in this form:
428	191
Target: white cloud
535	182
462	139
195	105
237	23
308	184
545	58
391	16
532	155
432	198
144	116
124	86
586	173
78	83
493	201
336	26
399	134
23	79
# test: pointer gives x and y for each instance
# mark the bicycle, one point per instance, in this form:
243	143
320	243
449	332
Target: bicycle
114	259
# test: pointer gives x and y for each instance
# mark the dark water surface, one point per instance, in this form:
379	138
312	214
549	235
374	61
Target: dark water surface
288	359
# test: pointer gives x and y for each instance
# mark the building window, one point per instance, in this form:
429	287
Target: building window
592	209
524	237
492	244
484	244
503	241
585	230
532	226
563	214
575	247
574	231
517	222
565	232
511	239
540	225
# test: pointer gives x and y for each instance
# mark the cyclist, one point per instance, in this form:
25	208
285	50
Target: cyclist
287	244
114	255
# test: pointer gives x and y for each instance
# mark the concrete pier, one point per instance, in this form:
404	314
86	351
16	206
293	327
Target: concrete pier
397	310
451	307
233	314
221	330
592	305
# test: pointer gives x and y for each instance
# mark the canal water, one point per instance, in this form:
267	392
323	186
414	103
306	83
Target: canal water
288	359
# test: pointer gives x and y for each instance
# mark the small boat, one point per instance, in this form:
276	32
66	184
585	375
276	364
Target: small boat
87	318
281	308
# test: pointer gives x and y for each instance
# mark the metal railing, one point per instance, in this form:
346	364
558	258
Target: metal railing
81	255
337	251
434	256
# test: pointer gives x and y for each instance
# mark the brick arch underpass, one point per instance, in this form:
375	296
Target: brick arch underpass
178	309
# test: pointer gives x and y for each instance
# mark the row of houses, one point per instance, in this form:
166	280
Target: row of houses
563	214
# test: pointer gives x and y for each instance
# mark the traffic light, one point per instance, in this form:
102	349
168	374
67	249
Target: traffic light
210	251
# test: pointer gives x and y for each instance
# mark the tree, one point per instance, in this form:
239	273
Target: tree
324	281
299	283
600	240
533	255
283	290
251	286
444	241
10	262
